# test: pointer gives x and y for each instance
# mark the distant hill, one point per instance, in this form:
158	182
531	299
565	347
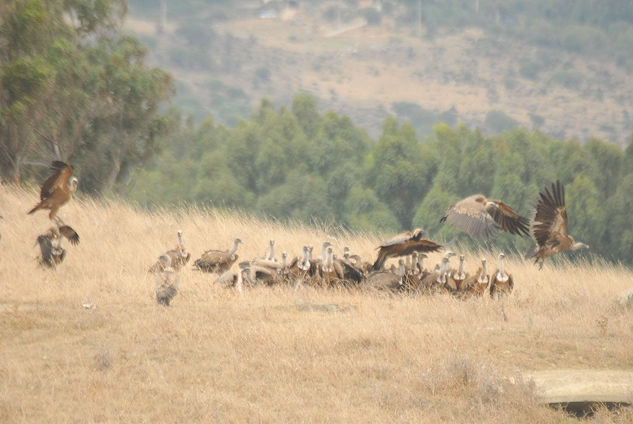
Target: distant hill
546	64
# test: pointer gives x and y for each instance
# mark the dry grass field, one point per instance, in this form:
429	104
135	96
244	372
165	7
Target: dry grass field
276	354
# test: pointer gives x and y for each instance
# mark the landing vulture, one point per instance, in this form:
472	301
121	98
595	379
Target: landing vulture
57	189
481	217
549	225
402	245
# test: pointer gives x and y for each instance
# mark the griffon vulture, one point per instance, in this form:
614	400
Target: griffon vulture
179	256
481	217
501	282
217	260
57	189
402	245
549	225
166	282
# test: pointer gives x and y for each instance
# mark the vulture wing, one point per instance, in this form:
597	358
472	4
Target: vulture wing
61	173
46	247
68	232
550	220
400	238
403	249
507	219
471	216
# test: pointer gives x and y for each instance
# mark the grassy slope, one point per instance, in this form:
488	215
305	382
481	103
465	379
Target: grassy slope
274	355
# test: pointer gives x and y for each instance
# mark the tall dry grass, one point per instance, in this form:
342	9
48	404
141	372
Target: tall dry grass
275	355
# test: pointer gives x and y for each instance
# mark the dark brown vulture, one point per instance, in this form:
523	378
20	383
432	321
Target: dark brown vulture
501	283
549	225
481	217
57	189
217	260
402	245
166	282
179	256
52	252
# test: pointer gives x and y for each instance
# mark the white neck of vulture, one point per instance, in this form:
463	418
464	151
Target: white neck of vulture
271	251
421	263
180	242
401	268
283	259
443	270
234	248
501	265
482	277
324	252
461	266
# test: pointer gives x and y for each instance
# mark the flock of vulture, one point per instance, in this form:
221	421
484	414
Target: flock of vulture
478	216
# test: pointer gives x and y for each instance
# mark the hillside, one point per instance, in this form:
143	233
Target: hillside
276	354
226	59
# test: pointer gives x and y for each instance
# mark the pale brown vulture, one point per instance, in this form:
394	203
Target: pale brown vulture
57	189
217	260
179	256
477	284
481	217
549	225
402	245
166	282
501	283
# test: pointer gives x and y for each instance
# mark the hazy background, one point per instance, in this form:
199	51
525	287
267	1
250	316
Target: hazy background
368	116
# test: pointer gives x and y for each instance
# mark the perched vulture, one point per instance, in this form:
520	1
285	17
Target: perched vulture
549	225
57	190
481	217
477	284
52	252
166	282
179	256
402	245
501	283
217	260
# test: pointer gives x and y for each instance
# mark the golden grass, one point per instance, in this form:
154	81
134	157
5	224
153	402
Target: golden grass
275	355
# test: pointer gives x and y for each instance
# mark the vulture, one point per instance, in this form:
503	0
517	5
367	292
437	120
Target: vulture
386	280
501	282
549	226
52	252
166	282
179	257
402	245
477	284
217	260
481	217
271	251
460	276
57	189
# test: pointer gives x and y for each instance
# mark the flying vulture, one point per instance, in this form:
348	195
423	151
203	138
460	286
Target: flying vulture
481	217
549	225
57	189
402	245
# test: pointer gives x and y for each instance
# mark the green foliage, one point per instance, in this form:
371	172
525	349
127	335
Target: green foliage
297	164
74	88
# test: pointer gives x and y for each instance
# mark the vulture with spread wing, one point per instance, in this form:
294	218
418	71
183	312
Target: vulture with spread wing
402	245
481	217
57	189
549	225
